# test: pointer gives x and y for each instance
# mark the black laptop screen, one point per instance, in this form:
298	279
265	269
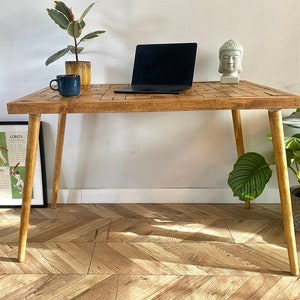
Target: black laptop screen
164	64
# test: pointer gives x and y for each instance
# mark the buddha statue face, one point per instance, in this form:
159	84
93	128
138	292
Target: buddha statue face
230	56
230	62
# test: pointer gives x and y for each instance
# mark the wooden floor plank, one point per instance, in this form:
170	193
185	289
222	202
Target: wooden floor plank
47	258
189	258
171	231
58	287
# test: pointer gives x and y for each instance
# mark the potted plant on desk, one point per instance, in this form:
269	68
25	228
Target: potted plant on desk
251	172
64	18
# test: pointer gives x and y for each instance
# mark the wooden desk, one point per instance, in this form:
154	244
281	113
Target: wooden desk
202	96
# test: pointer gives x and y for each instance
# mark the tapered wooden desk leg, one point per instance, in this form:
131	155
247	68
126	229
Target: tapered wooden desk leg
276	127
58	157
238	132
31	151
239	140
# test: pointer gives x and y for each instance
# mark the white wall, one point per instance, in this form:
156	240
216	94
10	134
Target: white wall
183	151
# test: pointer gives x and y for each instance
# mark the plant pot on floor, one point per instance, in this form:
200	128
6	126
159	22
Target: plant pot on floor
81	68
295	198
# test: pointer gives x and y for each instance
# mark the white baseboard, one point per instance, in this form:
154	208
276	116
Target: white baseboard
176	195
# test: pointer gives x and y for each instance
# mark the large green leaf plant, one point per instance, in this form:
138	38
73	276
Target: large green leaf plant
64	18
251	172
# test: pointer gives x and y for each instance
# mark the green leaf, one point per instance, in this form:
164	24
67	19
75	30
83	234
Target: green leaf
92	35
86	11
292	142
74	29
56	56
62	7
297	156
249	176
293	120
72	49
59	18
82	24
289	157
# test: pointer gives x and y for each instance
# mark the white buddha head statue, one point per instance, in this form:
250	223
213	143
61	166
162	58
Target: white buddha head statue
230	56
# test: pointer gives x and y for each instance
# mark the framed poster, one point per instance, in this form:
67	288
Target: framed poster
13	143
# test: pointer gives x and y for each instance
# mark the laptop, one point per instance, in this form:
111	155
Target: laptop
162	68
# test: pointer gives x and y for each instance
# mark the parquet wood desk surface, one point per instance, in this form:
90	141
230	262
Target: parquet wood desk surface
100	98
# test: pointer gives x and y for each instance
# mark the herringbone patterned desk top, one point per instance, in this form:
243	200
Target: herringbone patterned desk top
99	98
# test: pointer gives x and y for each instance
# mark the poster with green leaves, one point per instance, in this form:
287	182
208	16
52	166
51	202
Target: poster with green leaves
13	142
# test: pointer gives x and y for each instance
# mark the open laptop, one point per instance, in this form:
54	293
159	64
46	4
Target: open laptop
162	68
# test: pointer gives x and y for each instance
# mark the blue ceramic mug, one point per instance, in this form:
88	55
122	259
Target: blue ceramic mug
67	85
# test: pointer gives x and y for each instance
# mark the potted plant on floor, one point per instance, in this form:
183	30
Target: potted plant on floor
251	172
64	18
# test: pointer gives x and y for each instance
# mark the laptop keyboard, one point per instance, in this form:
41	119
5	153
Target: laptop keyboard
158	89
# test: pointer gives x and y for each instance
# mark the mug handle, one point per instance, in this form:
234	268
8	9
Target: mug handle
50	85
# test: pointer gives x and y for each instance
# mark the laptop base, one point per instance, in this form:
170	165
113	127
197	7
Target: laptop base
150	89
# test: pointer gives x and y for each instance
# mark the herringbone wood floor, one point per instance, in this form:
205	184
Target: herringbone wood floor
148	251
